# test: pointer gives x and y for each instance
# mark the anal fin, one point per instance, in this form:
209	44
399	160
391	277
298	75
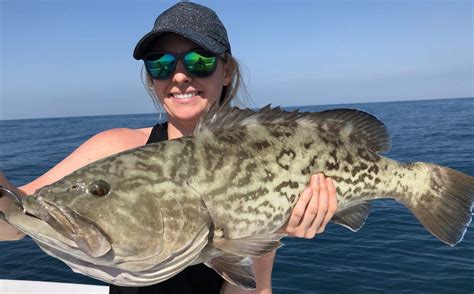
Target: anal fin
353	217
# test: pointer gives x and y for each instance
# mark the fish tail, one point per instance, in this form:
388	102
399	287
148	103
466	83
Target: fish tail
442	200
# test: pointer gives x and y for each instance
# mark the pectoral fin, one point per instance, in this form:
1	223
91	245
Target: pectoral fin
253	246
236	270
353	217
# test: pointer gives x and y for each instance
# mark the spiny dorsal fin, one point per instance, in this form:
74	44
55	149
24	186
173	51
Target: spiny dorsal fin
236	270
353	217
356	126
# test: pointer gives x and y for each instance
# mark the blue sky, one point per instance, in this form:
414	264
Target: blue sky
73	58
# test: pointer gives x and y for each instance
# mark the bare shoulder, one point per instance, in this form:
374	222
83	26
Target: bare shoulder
122	138
117	140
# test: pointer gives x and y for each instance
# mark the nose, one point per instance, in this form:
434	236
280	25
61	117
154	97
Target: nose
180	75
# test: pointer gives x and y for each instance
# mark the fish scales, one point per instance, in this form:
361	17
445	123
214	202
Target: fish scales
266	168
220	196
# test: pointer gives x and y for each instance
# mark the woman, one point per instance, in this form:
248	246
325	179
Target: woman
189	67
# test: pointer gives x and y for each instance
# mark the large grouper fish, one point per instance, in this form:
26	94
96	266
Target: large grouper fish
220	196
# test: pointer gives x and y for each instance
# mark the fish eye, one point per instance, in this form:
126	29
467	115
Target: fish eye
99	188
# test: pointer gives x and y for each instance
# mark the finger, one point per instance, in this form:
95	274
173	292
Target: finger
322	208
311	209
299	209
332	203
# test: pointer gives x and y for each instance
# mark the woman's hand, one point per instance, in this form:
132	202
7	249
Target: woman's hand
314	209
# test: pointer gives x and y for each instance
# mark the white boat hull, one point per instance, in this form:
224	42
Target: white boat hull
28	287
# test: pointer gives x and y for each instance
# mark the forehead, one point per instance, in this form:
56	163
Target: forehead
173	43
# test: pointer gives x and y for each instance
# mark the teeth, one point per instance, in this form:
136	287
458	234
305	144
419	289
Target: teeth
184	96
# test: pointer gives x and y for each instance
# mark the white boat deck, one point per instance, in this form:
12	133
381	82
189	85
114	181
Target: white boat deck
21	287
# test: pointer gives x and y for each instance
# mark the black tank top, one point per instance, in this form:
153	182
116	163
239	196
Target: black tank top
196	279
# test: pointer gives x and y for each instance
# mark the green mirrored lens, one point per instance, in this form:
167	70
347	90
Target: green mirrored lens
200	64
160	66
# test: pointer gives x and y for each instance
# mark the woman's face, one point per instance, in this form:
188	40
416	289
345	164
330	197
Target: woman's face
185	97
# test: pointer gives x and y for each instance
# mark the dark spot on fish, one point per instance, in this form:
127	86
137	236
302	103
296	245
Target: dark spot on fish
349	158
292	198
289	183
362	177
265	203
332	166
374	169
277	218
279	132
333	154
307	170
260	145
269	176
307	145
283	154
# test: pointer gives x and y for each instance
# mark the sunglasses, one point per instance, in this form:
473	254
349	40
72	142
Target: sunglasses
199	63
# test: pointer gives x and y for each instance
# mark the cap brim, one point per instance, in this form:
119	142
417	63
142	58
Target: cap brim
143	46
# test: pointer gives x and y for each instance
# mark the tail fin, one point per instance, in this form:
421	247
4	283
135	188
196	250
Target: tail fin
445	207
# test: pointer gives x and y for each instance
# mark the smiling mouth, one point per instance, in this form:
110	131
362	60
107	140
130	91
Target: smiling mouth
185	95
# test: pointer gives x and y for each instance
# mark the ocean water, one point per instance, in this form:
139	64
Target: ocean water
392	253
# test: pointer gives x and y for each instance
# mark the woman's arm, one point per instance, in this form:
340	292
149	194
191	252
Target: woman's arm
314	209
99	146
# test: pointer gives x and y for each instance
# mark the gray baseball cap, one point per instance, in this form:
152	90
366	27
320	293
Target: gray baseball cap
192	21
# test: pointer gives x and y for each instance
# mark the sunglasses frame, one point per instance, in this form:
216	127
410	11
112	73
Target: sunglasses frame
181	57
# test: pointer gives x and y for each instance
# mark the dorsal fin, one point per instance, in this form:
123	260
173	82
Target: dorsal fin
354	125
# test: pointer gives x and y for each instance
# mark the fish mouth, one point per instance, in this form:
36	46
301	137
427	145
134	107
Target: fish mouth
66	226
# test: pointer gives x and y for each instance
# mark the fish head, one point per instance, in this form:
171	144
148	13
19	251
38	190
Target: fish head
92	216
117	220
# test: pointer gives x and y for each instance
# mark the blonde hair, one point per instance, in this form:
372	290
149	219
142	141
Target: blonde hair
229	92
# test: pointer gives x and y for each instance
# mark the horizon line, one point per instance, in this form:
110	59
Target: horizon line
283	106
